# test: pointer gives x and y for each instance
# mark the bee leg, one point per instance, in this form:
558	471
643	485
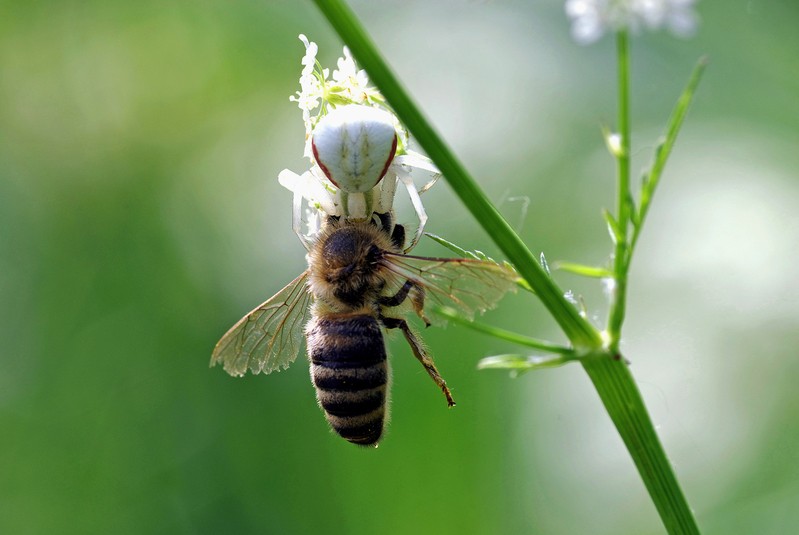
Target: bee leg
398	236
417	299
420	353
397	232
398	298
386	220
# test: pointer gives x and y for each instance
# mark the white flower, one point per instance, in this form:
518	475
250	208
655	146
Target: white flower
353	136
592	18
353	83
349	85
311	86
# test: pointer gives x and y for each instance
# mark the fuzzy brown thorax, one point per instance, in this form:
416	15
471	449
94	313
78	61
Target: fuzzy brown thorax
344	261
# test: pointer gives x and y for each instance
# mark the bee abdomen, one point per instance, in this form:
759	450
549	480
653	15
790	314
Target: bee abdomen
350	373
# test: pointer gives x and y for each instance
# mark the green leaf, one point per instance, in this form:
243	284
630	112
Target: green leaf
523	363
613	226
585	271
662	152
463	253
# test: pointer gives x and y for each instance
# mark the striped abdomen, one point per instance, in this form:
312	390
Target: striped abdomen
350	373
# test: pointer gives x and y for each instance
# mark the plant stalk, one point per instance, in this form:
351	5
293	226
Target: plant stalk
581	333
606	369
618	304
622	399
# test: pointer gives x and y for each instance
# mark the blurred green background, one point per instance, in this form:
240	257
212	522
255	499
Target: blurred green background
140	217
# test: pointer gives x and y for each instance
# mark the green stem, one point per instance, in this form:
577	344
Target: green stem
620	395
502	334
618	302
577	329
607	370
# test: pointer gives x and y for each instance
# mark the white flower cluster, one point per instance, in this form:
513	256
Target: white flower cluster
348	85
592	18
354	142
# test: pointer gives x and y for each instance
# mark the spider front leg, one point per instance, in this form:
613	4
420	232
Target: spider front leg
296	220
417	206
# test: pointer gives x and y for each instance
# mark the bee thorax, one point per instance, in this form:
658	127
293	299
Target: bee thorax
345	265
348	248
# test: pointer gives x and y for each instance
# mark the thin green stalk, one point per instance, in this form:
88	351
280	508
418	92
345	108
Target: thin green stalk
618	303
577	329
502	334
525	363
620	395
607	370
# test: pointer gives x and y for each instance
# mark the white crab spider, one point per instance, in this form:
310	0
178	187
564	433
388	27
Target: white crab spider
354	145
356	171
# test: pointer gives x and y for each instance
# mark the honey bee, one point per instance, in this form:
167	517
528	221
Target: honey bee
358	282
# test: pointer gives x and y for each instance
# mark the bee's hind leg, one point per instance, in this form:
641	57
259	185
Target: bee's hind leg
416	293
420	353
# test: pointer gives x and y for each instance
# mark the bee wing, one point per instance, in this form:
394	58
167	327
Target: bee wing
465	284
269	337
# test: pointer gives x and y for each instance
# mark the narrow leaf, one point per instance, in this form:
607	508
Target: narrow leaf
503	334
663	150
593	272
613	226
522	362
463	253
